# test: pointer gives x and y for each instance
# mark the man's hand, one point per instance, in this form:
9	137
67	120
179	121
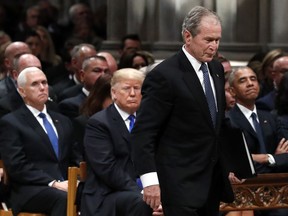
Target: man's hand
61	185
282	147
234	180
158	211
151	195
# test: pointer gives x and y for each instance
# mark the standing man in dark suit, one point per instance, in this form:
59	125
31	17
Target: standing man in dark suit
36	162
176	136
111	188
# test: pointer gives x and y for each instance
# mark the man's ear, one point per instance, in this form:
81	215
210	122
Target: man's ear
21	92
232	91
82	75
14	74
113	95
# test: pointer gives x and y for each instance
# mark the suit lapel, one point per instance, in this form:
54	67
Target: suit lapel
34	124
241	121
60	132
192	81
119	123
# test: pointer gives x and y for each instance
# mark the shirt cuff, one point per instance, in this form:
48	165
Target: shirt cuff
149	179
271	160
51	183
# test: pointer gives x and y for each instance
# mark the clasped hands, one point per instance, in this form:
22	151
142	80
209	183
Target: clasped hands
151	195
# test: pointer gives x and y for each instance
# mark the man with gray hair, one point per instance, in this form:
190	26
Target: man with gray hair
37	147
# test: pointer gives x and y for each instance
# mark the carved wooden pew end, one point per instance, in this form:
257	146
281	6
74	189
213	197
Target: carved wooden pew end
266	191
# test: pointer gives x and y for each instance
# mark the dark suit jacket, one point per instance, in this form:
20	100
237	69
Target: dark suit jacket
174	133
71	106
79	124
69	92
110	167
6	86
267	102
28	154
271	137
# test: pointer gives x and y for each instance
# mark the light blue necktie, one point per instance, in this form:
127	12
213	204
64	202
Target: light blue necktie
209	93
259	133
50	132
131	123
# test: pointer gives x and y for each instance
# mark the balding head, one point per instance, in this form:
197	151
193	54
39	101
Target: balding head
14	49
111	61
24	61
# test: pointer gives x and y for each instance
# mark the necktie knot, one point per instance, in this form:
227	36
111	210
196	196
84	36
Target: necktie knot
204	68
42	115
131	123
254	116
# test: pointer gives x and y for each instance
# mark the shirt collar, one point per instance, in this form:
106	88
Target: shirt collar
194	62
36	112
124	115
247	112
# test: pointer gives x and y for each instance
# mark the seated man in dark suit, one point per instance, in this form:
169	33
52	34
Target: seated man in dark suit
78	54
92	68
269	150
111	188
37	148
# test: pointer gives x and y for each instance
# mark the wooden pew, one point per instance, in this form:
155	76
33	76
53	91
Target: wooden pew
266	191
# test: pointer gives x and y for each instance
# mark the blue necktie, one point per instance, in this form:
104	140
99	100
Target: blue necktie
258	130
50	132
209	93
131	123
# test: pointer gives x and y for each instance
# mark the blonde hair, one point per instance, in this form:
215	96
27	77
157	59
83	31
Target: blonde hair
126	73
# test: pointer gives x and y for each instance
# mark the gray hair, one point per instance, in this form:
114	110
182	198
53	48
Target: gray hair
232	75
22	78
126	73
88	60
76	51
193	19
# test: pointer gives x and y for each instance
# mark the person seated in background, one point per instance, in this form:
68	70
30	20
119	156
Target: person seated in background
265	74
47	53
37	147
111	186
130	43
135	60
266	144
281	105
267	102
98	99
92	68
78	54
7	84
230	100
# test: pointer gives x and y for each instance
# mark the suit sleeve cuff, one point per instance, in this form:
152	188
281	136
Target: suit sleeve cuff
149	179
